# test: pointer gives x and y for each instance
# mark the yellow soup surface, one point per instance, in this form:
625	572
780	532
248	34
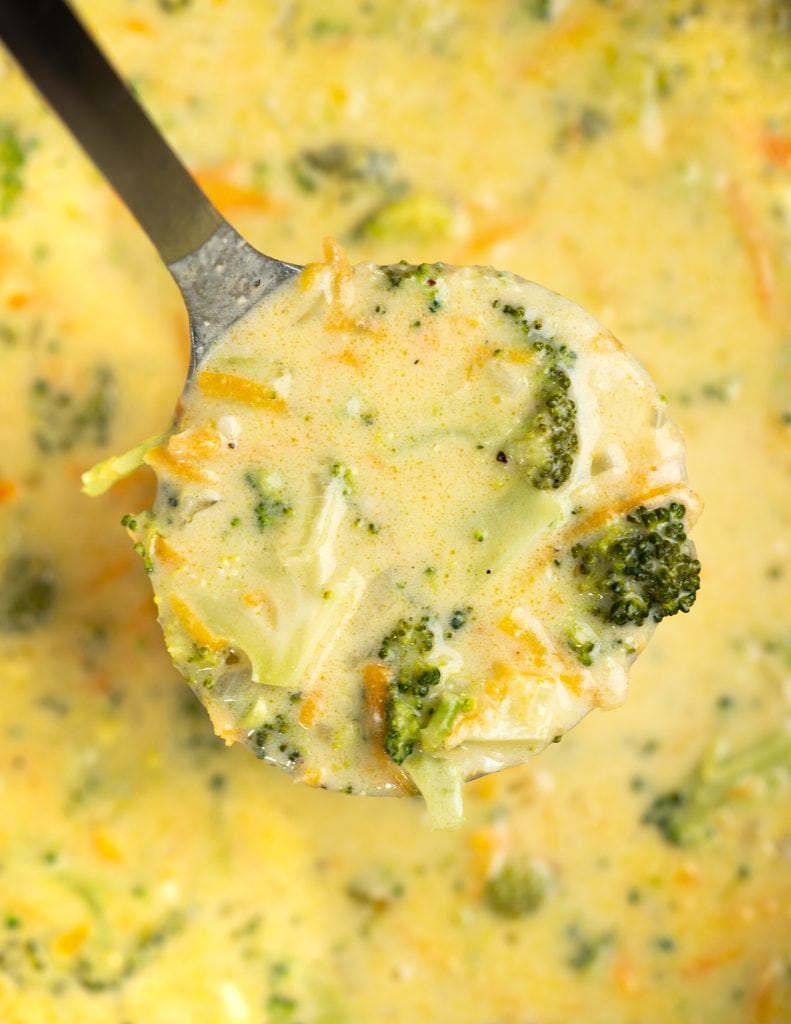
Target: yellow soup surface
634	157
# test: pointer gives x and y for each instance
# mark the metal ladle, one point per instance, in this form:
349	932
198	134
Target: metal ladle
220	275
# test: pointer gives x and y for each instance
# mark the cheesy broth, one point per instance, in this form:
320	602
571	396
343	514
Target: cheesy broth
363	544
634	157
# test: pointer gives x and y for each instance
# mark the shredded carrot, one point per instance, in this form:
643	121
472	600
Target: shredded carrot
8	490
106	848
194	627
138	26
195	444
625	976
110	573
348	358
376	678
340	286
573	681
600	517
567	33
309	709
496	686
765	1003
162	460
71	942
777	150
534	644
701	965
759	254
486	237
18	300
182	454
228	195
164	554
262	604
232	388
488	848
687	874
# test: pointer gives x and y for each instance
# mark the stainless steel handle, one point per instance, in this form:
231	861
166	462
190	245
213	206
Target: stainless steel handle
57	53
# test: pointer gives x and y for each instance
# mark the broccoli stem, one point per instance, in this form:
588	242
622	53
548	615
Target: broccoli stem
683	815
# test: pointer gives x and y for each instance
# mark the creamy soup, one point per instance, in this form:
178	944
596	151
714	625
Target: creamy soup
402	534
633	157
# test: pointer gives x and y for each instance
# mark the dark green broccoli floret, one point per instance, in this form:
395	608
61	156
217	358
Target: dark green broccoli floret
640	567
13	155
583	645
345	164
269	507
408	709
274	741
586	947
546	443
683	815
61	420
427	275
518	889
27	594
416	713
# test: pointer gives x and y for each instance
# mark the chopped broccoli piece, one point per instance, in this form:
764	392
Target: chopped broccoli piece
518	889
407	709
13	156
640	567
269	507
459	618
415	712
345	164
416	215
104	475
440	782
586	947
583	642
546	443
683	814
426	275
442	717
376	888
61	421
27	593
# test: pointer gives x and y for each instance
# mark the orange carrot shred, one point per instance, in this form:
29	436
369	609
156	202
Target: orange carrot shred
230	387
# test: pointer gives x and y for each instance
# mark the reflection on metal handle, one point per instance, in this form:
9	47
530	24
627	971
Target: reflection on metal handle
62	60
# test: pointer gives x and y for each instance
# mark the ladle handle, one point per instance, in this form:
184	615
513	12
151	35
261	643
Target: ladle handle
62	60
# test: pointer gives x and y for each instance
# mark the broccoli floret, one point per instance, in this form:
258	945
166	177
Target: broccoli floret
345	164
586	947
415	215
269	507
583	642
61	421
546	443
427	276
408	709
683	814
640	567
13	156
518	889
27	593
442	717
